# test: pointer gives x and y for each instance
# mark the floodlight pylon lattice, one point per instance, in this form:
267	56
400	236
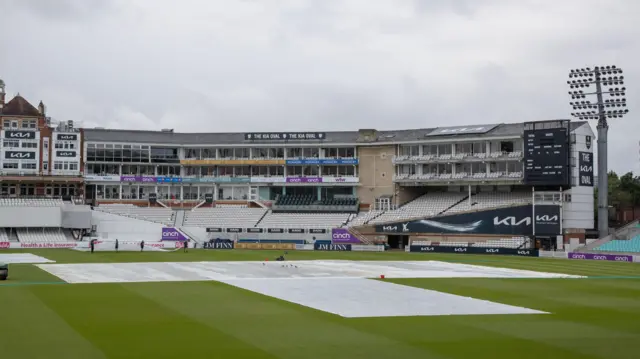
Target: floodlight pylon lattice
608	81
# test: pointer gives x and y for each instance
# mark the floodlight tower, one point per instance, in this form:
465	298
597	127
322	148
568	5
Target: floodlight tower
601	109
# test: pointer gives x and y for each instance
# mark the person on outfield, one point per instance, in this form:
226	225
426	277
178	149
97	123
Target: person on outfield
117	244
92	244
141	246
185	246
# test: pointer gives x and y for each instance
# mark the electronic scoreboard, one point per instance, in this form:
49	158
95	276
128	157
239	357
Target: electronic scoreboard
546	153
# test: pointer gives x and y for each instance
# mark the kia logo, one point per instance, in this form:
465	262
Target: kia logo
67	137
427	249
66	154
19	155
19	134
511	221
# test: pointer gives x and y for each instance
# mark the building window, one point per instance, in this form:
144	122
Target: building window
29	166
28	123
45	166
10	165
65	166
29	145
10	144
6	124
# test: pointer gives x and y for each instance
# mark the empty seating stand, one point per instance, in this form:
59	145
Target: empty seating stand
309	203
621	245
30	202
165	216
45	235
224	216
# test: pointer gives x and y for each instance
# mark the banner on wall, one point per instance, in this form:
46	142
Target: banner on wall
172	234
601	257
304	179
342	235
342	247
516	220
93	178
585	171
323	161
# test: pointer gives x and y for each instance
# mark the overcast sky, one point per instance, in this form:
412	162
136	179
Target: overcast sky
304	65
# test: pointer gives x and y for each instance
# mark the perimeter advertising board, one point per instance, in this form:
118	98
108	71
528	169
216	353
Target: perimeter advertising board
475	250
517	220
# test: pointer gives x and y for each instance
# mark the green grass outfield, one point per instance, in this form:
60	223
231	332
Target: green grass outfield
41	317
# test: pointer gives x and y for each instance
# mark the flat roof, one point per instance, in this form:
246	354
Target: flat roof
301	137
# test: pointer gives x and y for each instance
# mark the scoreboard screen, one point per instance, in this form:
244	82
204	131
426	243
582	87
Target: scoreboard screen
546	153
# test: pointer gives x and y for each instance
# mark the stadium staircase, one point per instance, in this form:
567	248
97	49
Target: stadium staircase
179	217
364	239
261	218
190	235
466	198
162	204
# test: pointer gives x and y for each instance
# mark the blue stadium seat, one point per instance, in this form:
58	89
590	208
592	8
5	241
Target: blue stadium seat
630	245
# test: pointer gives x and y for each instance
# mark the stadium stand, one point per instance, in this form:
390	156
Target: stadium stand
429	204
4	237
621	245
30	202
485	200
165	216
515	242
310	203
364	217
307	220
46	235
224	216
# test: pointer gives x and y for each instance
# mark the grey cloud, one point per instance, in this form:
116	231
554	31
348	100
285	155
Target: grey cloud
334	64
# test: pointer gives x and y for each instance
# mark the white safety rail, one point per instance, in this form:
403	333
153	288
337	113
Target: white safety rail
224	216
165	216
430	204
30	202
306	220
486	200
47	235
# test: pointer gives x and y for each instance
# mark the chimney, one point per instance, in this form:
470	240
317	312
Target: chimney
42	108
2	94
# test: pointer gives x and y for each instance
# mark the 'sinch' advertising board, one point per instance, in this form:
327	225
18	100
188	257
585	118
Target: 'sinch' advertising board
601	257
475	250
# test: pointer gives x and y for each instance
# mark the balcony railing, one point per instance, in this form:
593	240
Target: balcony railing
461	176
458	157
